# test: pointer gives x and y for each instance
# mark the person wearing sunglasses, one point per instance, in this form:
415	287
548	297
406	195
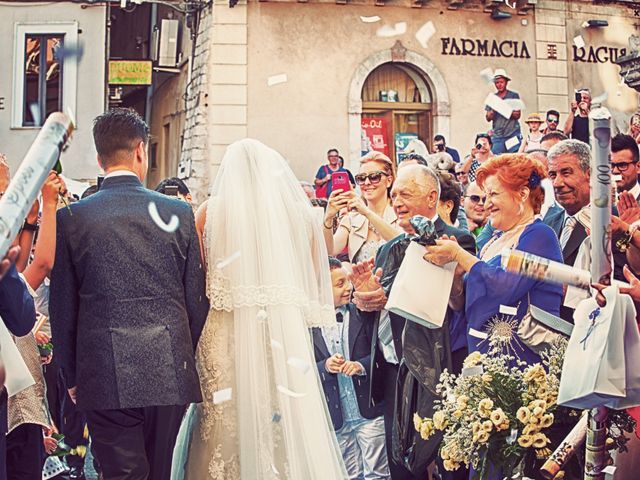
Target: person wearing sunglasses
624	164
553	120
370	221
473	205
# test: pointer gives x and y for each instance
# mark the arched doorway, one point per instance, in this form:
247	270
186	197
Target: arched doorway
426	79
396	107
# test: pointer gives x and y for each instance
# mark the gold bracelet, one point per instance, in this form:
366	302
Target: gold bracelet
330	227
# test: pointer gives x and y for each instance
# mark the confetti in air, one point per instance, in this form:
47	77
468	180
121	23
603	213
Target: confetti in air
276	79
228	261
298	364
372	19
290	393
221	396
262	315
578	41
170	227
276	344
425	33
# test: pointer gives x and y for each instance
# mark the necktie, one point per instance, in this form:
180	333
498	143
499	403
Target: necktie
385	337
567	230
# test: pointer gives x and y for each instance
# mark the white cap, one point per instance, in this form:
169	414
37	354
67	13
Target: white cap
500	72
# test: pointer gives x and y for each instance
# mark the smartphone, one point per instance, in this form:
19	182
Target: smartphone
340	181
58	167
578	96
99	181
171	190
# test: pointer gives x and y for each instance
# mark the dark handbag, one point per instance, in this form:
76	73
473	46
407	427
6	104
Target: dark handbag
426	354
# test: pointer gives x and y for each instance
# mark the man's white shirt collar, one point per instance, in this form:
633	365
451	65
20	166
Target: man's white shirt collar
121	173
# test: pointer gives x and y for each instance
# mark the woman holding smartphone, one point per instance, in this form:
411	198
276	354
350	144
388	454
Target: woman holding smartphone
369	220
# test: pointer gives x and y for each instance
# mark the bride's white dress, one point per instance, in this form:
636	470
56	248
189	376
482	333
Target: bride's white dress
263	414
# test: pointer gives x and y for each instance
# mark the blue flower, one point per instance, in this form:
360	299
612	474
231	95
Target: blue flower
534	180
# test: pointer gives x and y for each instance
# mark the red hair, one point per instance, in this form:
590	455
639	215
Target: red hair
514	171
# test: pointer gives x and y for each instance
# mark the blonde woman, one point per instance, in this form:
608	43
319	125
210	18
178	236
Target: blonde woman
370	220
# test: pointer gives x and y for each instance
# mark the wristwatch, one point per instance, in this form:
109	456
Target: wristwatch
625	241
30	227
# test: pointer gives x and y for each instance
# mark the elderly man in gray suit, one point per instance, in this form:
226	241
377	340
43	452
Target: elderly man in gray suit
127	306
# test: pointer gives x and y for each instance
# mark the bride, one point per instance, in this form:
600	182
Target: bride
264	414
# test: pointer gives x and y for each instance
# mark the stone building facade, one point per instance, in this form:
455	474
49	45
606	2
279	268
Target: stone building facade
301	76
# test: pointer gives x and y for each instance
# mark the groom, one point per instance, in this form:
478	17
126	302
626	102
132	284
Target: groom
127	306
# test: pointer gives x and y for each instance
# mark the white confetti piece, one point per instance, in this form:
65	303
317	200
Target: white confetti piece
276	344
387	31
507	310
262	315
170	227
425	32
228	261
290	393
276	79
373	19
584	24
471	371
35	113
475	333
579	41
221	396
487	75
510	143
610	470
298	364
617	178
275	470
499	105
511	439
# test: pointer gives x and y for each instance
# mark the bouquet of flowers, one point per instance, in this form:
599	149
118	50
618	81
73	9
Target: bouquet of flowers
497	411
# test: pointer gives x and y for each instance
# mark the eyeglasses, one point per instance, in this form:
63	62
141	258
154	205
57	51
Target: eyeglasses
552	120
458	174
374	177
333	156
476	198
621	166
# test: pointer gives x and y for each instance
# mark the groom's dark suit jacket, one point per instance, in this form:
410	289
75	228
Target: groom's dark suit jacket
127	301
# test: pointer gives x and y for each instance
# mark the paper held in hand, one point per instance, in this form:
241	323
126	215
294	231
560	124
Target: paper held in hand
420	292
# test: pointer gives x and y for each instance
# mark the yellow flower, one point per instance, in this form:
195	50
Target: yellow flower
486	377
457	414
476	427
462	401
534	420
523	414
417	421
540	440
530	429
486	404
535	373
81	451
487	426
538	412
440	420
542	393
426	429
450	465
503	426
472	359
546	420
498	417
538	404
483	437
525	441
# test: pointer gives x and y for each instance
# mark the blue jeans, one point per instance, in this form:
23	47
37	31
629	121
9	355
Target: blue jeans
498	144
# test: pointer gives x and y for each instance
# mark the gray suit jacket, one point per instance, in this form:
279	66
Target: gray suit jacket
128	299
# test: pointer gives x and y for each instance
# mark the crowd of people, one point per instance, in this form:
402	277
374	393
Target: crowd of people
251	339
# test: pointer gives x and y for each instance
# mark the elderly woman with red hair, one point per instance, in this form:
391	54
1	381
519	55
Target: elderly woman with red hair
511	183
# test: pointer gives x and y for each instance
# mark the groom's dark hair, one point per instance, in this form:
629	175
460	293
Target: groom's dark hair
118	130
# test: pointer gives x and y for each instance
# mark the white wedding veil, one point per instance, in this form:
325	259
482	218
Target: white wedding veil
267	264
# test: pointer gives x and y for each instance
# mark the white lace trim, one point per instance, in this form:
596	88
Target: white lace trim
223	296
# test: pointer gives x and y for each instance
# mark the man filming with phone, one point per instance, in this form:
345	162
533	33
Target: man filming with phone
480	153
324	177
440	144
577	124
